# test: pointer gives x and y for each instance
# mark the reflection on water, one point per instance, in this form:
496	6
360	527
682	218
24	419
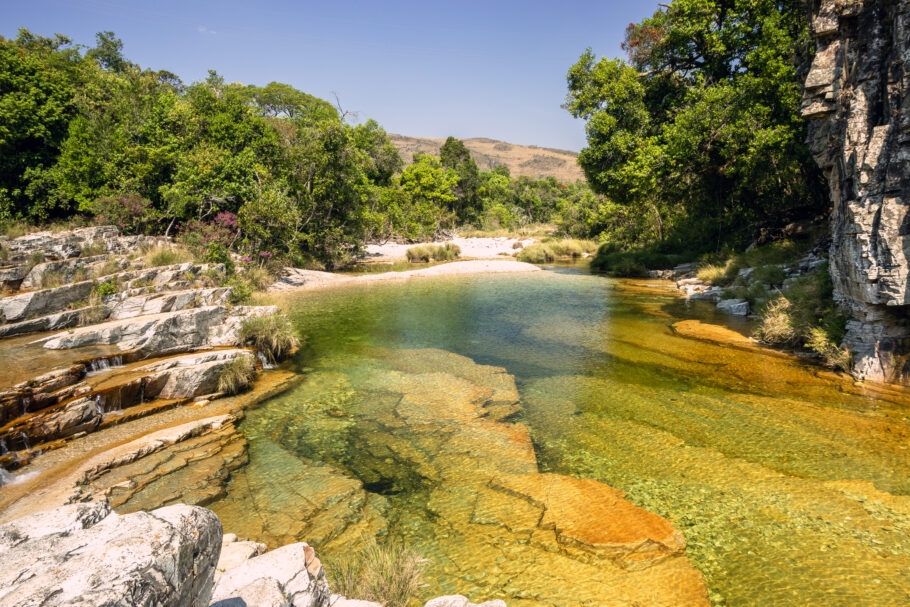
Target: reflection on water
789	484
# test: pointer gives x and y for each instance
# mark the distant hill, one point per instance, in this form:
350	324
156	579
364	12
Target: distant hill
487	153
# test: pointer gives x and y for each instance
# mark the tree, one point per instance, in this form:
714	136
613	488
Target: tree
108	52
700	131
430	188
454	155
38	80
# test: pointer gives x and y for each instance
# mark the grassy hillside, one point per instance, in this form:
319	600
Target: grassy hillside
487	153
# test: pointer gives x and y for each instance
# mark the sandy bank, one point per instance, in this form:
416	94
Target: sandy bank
294	278
480	248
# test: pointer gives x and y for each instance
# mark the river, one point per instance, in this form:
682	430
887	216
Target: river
789	483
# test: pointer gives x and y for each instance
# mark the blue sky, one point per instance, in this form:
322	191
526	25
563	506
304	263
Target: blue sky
468	69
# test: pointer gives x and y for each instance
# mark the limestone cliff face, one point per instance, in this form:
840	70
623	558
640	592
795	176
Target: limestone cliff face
857	97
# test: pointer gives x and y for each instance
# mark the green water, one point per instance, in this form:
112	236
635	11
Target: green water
788	483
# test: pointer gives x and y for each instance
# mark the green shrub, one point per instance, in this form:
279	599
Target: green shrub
271	334
215	252
451	251
778	252
806	315
425	253
390	575
237	376
418	254
571	247
536	253
167	256
630	263
4	253
105	289
770	274
241	291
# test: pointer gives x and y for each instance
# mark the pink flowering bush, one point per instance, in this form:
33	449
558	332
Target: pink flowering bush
130	212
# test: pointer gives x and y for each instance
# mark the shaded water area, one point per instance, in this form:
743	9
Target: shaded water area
789	484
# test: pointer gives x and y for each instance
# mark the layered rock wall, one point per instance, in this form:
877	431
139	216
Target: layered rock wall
857	98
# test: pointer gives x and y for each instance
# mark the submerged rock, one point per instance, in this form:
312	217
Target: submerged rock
86	555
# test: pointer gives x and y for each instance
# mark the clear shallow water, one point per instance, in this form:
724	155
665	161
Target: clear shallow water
788	483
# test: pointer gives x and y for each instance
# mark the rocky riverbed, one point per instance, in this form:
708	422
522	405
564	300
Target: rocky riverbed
114	430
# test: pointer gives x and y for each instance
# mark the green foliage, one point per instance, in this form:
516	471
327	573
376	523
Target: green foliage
425	253
130	212
536	253
698	137
215	252
237	376
632	264
241	290
806	315
719	274
551	249
388	574
271	334
770	274
105	289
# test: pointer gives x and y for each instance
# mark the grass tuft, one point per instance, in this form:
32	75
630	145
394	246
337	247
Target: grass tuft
237	376
96	248
271	334
167	256
52	278
390	575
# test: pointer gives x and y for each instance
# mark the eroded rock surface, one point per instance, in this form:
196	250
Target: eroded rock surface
86	555
857	97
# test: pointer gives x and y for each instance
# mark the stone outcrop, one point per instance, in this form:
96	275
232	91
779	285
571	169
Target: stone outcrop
857	98
290	576
84	554
165	333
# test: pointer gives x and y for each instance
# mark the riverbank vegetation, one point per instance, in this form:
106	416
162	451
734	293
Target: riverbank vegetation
267	172
390	574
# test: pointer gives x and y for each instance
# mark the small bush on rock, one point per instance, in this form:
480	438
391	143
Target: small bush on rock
105	289
271	334
237	376
770	274
390	575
